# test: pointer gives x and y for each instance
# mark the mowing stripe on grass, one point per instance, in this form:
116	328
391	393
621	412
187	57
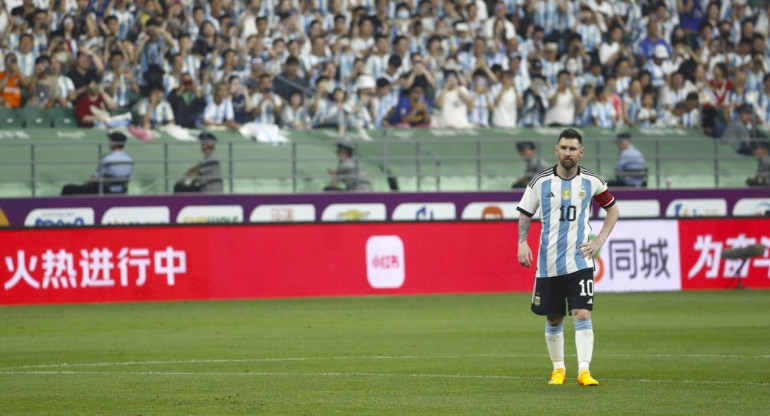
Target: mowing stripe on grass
355	374
362	357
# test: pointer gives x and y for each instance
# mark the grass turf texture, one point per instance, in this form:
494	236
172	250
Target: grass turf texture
655	353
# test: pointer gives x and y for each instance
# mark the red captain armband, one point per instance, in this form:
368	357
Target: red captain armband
605	199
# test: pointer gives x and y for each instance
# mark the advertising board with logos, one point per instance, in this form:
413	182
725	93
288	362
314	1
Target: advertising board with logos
345	207
219	261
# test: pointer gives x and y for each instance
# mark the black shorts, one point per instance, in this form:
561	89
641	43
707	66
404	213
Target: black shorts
550	293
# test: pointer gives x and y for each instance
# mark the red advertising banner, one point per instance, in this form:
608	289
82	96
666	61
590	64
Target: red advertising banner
702	242
259	261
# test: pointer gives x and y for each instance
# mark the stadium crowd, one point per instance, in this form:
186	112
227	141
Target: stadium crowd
371	63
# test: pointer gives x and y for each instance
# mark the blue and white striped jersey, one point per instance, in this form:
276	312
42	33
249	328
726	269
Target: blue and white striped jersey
691	119
480	113
566	208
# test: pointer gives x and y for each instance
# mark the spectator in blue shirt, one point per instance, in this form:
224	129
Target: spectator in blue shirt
413	109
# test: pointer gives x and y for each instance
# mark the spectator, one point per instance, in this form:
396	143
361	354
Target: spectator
691	117
349	172
10	83
535	164
114	171
154	110
206	175
241	99
66	88
454	103
294	115
43	88
26	56
507	102
82	74
266	105
762	178
289	80
647	46
659	66
187	102
740	131
631	169
97	99
535	103
219	109
562	102
675	91
413	109
602	111
648	114
119	80
384	102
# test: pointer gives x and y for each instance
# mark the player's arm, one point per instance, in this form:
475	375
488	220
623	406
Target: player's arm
525	254
613	213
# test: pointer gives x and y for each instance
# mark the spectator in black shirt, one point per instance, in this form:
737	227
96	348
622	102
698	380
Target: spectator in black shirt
82	73
289	80
187	101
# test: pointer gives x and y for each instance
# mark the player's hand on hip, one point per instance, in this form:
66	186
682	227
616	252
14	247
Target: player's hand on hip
587	250
525	255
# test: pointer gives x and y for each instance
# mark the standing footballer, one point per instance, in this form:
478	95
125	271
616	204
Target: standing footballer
565	257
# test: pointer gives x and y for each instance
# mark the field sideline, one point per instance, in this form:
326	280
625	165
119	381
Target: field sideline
683	353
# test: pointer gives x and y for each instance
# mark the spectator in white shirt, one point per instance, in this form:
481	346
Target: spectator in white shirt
219	111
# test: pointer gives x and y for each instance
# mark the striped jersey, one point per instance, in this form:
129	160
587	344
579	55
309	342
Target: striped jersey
566	208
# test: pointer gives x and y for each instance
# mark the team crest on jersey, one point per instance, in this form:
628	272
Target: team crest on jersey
582	194
566	194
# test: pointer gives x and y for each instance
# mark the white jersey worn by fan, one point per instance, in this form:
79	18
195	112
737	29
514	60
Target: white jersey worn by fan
566	209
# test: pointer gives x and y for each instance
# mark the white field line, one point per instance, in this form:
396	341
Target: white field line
362	357
373	375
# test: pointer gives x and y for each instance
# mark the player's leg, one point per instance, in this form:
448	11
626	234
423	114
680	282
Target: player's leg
548	299
580	299
554	340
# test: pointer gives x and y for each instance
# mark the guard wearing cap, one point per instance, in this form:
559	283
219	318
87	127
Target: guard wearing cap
207	174
114	171
631	169
741	130
349	171
535	163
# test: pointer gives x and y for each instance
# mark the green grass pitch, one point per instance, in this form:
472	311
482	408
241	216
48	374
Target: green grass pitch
686	353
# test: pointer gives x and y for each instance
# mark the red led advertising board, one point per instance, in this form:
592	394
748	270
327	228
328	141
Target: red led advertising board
259	261
159	263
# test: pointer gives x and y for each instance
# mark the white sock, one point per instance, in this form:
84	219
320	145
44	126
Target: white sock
554	339
584	341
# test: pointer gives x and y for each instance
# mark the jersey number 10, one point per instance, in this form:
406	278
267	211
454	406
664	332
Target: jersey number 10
568	213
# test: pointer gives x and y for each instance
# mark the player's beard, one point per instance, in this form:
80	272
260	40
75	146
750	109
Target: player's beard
567	163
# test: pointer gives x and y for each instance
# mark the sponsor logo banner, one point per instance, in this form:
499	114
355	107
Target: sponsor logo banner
47	217
354	212
490	211
136	215
703	207
385	265
752	207
415	211
210	214
283	213
638	256
703	243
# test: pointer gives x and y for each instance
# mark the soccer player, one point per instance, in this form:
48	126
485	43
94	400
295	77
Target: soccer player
565	257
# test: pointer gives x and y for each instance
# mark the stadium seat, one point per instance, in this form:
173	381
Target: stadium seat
9	117
36	118
63	117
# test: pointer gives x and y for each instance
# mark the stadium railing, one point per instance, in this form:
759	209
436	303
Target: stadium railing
450	164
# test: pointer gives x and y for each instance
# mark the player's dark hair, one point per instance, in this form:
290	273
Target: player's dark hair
571	134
